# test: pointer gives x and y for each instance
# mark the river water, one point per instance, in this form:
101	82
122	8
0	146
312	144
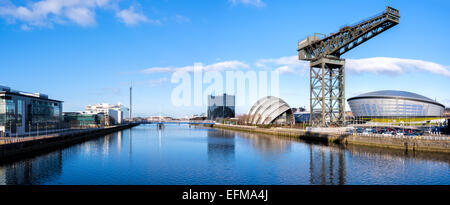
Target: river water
179	154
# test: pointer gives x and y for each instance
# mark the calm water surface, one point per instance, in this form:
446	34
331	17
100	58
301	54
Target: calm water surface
179	154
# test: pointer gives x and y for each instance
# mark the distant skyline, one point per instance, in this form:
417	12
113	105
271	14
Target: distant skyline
89	51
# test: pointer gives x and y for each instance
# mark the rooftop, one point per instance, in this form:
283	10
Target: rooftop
7	90
395	93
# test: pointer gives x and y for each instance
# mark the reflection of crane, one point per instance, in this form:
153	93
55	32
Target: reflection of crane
327	73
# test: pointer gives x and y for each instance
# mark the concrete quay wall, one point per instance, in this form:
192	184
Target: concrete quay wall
343	138
13	150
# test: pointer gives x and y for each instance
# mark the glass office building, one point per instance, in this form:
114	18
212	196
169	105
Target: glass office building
221	107
22	112
77	119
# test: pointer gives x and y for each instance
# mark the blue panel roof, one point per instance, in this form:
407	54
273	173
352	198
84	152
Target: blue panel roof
395	93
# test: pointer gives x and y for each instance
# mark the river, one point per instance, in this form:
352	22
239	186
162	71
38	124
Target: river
180	154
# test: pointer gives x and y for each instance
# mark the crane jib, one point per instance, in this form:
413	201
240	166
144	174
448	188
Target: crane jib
348	37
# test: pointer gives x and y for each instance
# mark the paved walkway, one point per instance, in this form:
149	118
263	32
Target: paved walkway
8	140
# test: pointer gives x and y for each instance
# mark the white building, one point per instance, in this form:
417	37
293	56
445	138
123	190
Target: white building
117	112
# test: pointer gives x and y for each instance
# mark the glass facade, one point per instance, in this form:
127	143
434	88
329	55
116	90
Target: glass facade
7	112
44	112
77	119
221	107
22	113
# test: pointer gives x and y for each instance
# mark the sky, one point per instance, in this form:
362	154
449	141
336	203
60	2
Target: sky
90	51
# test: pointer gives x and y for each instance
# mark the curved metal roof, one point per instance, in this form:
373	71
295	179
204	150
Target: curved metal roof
395	94
266	110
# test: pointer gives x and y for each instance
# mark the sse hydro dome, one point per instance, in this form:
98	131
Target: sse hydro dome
395	104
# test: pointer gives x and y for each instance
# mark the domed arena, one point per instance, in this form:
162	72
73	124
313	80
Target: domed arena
391	104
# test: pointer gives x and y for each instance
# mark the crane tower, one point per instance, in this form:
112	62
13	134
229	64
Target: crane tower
327	68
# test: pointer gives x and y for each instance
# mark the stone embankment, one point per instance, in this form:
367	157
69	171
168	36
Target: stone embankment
338	136
20	148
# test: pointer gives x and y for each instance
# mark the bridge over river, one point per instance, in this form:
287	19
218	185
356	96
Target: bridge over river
206	122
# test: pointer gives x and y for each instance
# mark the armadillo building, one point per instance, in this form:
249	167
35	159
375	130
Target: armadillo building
395	104
270	110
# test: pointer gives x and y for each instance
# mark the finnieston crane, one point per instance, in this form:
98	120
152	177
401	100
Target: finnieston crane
327	69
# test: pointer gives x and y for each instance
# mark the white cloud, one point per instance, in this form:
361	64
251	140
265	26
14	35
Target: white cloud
286	70
378	65
385	65
182	19
81	16
24	27
46	13
156	82
291	65
158	70
284	65
257	3
220	66
131	17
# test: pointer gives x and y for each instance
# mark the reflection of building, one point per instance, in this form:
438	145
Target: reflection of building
327	166
35	171
393	104
270	110
220	107
268	145
21	112
221	144
116	113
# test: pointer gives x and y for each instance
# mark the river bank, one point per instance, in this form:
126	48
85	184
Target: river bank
404	143
19	149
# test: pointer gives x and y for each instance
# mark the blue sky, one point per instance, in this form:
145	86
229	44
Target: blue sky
88	51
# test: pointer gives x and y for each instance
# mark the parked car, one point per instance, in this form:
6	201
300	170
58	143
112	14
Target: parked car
359	130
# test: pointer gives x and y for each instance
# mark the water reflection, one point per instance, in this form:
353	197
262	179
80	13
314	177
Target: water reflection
32	171
211	156
268	145
130	151
326	165
119	140
221	145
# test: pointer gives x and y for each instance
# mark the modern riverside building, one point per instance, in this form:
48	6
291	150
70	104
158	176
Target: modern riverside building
270	110
80	119
304	117
395	107
220	107
114	113
22	112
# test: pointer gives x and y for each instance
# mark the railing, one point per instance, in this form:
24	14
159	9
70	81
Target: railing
423	137
47	133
